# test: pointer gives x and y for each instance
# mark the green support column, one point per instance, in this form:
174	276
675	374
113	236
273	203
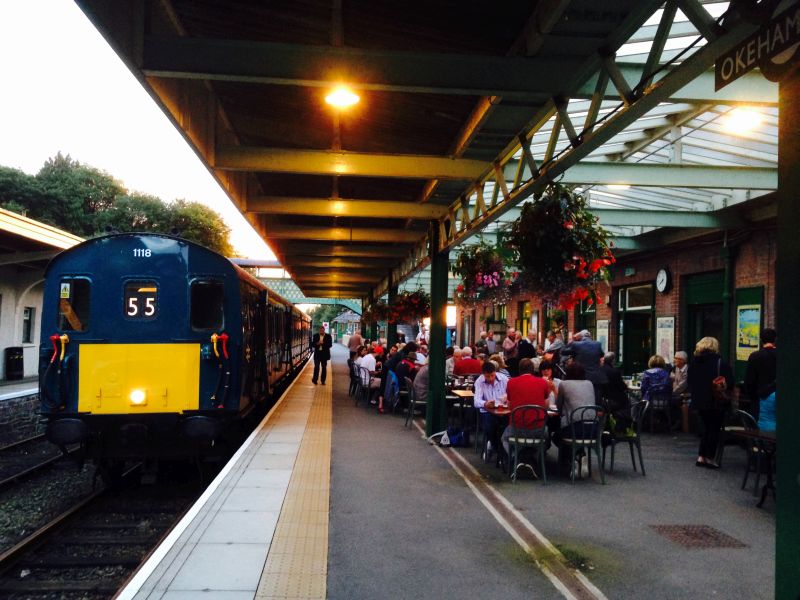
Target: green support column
436	414
391	328
787	526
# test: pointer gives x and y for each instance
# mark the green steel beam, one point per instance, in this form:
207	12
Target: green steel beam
340	207
342	234
366	69
319	249
289	290
329	162
385	70
660	218
665	175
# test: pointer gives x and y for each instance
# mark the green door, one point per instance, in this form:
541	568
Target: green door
637	341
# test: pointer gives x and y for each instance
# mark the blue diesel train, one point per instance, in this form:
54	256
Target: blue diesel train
154	346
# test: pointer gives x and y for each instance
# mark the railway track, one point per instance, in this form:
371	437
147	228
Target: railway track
26	457
90	550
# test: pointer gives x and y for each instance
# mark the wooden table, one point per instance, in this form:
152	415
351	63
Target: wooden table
769	445
464	394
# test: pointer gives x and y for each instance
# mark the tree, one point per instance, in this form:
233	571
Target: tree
73	194
18	190
325	313
136	212
197	222
87	202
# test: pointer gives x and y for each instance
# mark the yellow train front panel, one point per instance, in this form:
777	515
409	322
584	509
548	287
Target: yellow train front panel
138	378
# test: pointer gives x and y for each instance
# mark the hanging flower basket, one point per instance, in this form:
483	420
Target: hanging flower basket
563	252
486	275
409	306
377	311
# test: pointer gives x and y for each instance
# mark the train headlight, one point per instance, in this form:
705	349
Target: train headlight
138	398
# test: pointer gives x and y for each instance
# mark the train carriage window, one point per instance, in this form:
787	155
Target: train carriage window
141	300
207	304
73	304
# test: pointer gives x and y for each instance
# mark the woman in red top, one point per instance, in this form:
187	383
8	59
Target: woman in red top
525	390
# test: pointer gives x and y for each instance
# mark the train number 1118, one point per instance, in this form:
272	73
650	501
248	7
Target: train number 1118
139	252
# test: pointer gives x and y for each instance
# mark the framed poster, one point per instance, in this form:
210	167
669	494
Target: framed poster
665	338
602	334
748	329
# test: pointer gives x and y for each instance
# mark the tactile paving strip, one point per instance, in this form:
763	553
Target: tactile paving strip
698	536
297	564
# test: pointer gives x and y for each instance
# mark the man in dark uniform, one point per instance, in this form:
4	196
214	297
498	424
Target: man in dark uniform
321	344
760	376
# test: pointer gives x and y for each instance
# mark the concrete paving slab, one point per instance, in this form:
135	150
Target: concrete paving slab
222	567
242	527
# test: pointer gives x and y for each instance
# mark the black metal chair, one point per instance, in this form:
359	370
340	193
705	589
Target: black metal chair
412	402
586	431
520	437
353	368
633	437
364	385
756	453
661	402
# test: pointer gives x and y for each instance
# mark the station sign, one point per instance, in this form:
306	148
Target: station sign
774	48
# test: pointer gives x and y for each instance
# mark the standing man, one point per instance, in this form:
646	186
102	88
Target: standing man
759	379
355	341
588	353
321	344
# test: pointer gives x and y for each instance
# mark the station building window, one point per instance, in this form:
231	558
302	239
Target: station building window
586	318
523	322
207	305
28	315
635	326
74	304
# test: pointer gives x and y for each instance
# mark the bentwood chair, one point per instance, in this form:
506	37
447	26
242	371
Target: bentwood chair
633	436
586	430
519	437
364	380
756	452
661	402
413	403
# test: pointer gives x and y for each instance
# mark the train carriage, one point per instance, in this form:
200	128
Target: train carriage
152	344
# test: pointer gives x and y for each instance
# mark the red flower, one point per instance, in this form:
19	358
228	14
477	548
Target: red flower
569	225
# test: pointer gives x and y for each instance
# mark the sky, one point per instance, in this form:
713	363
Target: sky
64	89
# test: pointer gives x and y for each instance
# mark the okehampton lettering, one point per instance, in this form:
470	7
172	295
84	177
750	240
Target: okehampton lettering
777	36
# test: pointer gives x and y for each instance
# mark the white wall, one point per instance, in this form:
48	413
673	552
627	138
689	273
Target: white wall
20	288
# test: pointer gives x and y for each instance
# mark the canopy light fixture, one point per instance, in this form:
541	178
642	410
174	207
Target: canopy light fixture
742	120
342	97
619	186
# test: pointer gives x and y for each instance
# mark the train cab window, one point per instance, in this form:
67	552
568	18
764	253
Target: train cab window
73	304
207	298
141	300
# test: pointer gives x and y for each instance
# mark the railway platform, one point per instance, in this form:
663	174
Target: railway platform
330	500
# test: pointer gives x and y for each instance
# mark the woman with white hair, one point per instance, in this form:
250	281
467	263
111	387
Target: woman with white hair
706	366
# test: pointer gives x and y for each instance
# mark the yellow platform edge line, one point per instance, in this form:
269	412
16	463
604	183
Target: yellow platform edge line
297	562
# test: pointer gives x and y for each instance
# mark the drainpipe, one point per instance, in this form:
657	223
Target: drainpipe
727	297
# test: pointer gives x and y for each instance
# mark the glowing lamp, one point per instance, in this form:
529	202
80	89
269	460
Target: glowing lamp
342	97
138	398
742	120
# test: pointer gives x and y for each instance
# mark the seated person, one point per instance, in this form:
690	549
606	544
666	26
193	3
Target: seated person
500	363
574	392
369	363
616	396
406	368
766	413
467	365
449	361
490	388
421	384
546	373
655	380
525	389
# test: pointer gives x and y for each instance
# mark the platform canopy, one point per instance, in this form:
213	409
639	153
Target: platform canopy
466	110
